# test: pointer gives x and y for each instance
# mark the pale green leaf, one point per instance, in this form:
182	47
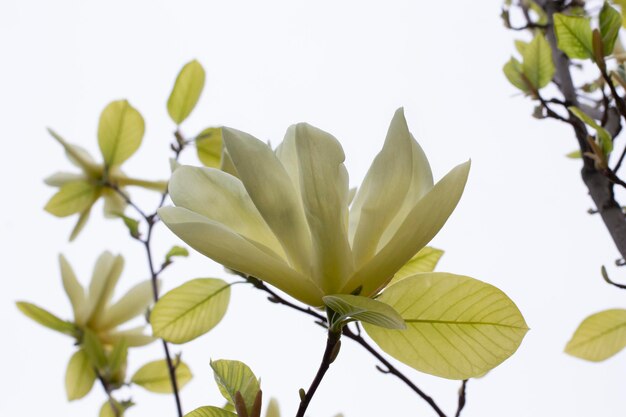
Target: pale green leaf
513	72
573	34
120	132
155	377
603	135
190	310
622	4
457	327
46	318
575	154
520	46
272	408
610	24
107	409
92	346
73	197
80	223
118	356
131	224
364	309
424	261
234	376
79	377
176	251
599	336
537	62
210	411
186	91
209	147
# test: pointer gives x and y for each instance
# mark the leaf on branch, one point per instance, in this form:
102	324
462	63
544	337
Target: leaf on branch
604	136
155	377
209	147
209	411
610	24
120	132
457	327
513	72
574	154
537	62
599	336
79	377
363	309
186	92
424	261
190	310
233	377
176	251
73	197
573	35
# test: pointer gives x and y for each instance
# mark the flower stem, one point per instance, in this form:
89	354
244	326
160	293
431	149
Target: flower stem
333	342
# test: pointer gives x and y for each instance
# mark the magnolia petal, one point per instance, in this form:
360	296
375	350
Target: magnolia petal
80	224
59	179
106	273
132	304
421	183
288	156
77	155
273	194
222	198
114	203
134	337
384	189
324	187
420	226
75	292
158	186
236	252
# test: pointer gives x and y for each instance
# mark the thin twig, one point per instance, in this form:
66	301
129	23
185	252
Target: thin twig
462	398
108	391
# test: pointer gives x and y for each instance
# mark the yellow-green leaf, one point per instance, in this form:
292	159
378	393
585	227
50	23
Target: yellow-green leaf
235	376
537	62
513	72
599	336
603	135
457	327
46	318
107	409
79	377
80	223
424	261
363	309
92	346
574	154
190	310
176	251
520	46
610	24
210	411
73	197
155	377
209	147
120	132
186	91
573	35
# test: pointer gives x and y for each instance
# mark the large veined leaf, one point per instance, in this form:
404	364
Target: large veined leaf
363	309
186	91
155	377
209	147
79	377
46	318
537	62
513	72
424	261
120	132
190	310
73	197
574	36
210	411
610	24
457	327
235	376
599	336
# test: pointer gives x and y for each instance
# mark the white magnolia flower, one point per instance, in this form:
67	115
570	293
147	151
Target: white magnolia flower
285	217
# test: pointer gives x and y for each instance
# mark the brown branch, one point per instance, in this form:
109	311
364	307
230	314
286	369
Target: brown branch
462	398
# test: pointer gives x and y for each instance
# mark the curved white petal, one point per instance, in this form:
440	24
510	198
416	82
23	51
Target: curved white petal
383	191
59	179
420	226
234	251
134	337
324	188
288	156
223	199
75	292
106	273
273	194
132	304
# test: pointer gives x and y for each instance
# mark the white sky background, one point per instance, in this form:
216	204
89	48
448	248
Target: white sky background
344	66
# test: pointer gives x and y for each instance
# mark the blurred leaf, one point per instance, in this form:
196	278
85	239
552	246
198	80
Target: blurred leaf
542	17
599	336
118	356
210	411
603	136
79	377
107	409
190	310
80	224
73	197
513	72
537	62
120	132
272	408
93	349
46	318
176	251
457	327
520	46
186	91
574	154
363	309
424	261
573	34
155	377
209	147
610	24
235	376
132	225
